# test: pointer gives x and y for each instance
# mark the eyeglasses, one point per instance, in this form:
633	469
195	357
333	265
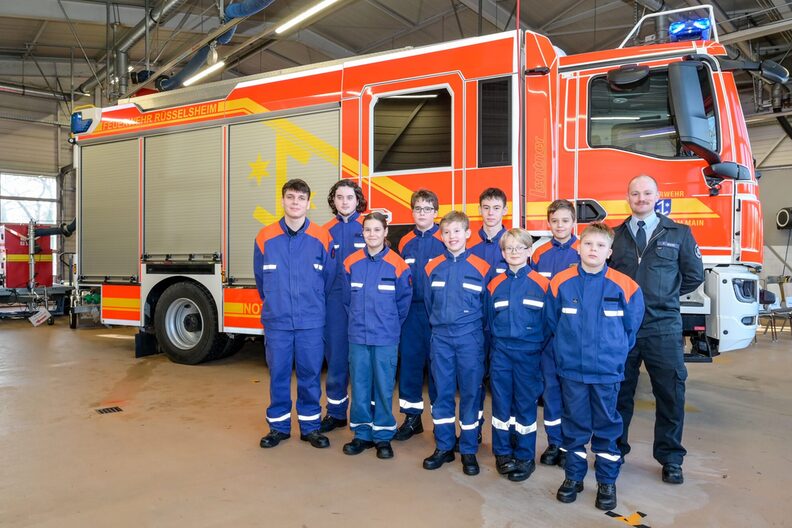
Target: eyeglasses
511	249
420	210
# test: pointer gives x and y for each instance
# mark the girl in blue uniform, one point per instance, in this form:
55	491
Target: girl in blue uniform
378	293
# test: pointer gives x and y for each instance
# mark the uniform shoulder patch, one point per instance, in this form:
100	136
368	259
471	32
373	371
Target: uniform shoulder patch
355	257
432	264
539	279
495	282
562	277
405	239
396	261
628	286
268	233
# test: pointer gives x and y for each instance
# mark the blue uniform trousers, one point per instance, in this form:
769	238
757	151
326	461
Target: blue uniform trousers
553	406
516	383
373	376
285	350
457	364
337	356
414	354
590	414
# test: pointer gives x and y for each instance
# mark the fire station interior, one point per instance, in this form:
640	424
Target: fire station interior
98	427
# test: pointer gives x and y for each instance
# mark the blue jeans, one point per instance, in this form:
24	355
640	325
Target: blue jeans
373	374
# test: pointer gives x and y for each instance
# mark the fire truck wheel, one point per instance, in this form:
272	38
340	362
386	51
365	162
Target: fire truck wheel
185	322
50	321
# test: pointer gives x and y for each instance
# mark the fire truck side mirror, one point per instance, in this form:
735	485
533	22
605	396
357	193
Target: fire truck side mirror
687	107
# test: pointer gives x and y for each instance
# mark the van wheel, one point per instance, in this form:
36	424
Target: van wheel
185	322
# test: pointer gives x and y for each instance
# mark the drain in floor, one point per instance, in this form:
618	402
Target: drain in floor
108	410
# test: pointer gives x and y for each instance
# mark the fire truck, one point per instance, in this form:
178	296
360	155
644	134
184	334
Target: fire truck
173	187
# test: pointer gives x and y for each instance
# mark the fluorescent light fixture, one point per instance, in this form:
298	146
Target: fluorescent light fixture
203	73
616	118
426	96
655	134
311	11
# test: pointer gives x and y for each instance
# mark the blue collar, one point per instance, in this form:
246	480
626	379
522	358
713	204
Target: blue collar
378	256
565	245
429	232
493	240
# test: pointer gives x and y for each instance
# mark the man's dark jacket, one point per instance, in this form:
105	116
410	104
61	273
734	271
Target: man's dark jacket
669	267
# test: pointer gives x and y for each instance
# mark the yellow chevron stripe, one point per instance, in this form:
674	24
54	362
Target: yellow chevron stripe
22	257
119	303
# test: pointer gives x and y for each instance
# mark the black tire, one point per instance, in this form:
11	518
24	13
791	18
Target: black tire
72	319
232	346
50	321
185	322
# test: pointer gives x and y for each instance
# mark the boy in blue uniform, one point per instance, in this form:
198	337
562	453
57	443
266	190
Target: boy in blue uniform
454	292
294	270
347	202
379	286
417	248
552	257
516	320
594	312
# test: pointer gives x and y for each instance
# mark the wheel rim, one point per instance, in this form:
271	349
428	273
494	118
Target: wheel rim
184	323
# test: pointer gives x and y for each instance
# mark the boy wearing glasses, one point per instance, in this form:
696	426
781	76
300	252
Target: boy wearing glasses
454	293
552	257
515	307
594	312
417	248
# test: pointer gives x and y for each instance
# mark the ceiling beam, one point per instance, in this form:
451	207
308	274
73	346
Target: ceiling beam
391	13
588	14
493	13
744	35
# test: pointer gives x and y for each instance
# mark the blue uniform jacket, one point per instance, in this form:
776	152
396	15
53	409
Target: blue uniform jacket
553	257
347	238
488	249
293	275
516	309
594	319
417	249
454	293
379	293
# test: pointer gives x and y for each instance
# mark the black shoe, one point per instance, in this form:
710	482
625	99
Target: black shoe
357	446
412	426
550	455
316	439
437	459
470	465
329	423
523	471
606	496
273	438
672	474
384	450
568	491
562	456
505	464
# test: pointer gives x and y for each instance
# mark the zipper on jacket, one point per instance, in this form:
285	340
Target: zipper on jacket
655	235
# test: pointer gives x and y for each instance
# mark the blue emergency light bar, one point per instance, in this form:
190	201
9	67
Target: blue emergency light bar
78	124
695	29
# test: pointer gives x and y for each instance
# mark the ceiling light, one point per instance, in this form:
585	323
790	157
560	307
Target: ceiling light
311	11
203	73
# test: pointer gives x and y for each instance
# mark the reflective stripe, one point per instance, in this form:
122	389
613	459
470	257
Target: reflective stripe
551	423
512	420
545	274
404	404
373	403
581	454
409	261
443	421
525	429
309	418
279	418
336	246
614	313
562	449
318	267
481	414
569	310
497	424
531	302
353	425
360	245
472	287
384	428
266	267
356	284
438	284
500	270
468	427
608	456
501	304
386	287
337	402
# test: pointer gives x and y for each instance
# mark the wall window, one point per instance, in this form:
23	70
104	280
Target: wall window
412	131
639	119
494	122
25	197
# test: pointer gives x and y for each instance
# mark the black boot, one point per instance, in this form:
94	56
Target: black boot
470	465
357	446
505	464
606	496
562	458
384	450
550	455
437	459
316	439
329	423
523	471
272	439
568	491
412	426
672	474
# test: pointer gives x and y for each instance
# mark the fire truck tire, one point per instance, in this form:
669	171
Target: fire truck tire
231	347
185	322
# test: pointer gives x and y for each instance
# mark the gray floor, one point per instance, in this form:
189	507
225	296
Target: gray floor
184	451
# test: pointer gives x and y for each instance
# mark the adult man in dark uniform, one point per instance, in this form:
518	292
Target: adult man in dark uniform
663	258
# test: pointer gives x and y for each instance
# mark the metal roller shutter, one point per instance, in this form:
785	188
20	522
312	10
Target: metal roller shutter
263	156
109	210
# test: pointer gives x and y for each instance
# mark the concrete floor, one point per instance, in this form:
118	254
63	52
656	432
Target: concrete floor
184	451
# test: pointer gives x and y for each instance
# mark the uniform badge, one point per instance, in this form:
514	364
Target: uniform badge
663	206
698	252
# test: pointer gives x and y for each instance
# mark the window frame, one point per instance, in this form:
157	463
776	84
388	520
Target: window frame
480	123
56	200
